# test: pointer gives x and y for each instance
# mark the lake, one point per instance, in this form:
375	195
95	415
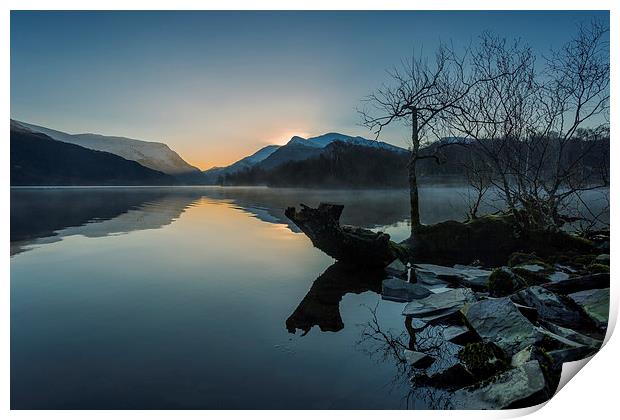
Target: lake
201	298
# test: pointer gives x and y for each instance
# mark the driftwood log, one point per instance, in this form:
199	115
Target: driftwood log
347	244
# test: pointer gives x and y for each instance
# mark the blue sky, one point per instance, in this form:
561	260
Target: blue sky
216	86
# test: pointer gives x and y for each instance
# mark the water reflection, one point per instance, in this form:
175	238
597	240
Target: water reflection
47	215
321	305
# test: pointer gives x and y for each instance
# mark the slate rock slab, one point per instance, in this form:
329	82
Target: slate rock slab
417	359
549	306
399	290
499	321
439	305
514	388
462	275
595	303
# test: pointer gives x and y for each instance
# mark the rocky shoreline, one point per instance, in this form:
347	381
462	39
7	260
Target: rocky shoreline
501	333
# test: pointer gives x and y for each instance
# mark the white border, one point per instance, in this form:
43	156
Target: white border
592	395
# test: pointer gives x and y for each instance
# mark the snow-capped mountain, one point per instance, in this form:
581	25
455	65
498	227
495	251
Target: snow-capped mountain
153	155
297	149
247	162
326	139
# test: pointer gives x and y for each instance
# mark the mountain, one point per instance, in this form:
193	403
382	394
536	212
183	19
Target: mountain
337	165
297	149
326	139
153	155
213	175
37	159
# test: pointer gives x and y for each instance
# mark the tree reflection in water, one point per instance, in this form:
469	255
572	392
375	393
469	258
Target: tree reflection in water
427	388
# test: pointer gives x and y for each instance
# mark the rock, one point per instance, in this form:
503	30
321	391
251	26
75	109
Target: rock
458	334
527	311
519	387
450	374
603	246
417	359
578	284
561	356
427	278
572	335
595	303
397	268
558	276
523	356
399	290
483	360
531	267
550	306
503	282
552	341
439	305
603	259
499	321
461	275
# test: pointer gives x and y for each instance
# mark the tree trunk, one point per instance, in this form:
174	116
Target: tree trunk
413	180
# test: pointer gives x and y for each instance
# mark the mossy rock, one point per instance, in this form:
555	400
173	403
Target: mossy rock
503	282
483	360
598	268
491	239
521	258
584	260
532	278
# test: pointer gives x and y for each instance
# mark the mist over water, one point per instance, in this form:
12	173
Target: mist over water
179	298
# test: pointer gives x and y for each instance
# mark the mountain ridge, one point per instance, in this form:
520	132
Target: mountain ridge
37	159
153	155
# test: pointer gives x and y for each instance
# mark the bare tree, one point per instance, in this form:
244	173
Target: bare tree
418	94
529	123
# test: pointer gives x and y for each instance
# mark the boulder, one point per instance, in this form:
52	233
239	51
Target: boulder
595	303
535	268
397	268
519	387
483	360
561	356
474	278
603	259
398	290
549	306
557	276
417	359
503	282
552	341
578	284
527	311
499	321
426	278
572	335
439	305
458	334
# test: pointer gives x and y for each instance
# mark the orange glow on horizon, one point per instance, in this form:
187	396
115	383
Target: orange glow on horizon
230	152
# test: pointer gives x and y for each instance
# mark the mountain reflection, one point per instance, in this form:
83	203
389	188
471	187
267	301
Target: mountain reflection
46	215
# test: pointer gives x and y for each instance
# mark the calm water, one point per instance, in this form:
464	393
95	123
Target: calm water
199	298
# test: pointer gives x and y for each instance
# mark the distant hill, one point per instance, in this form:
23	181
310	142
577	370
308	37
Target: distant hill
212	175
153	155
346	165
338	165
37	159
297	149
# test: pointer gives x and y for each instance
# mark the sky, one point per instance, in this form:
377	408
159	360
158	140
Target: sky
216	86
